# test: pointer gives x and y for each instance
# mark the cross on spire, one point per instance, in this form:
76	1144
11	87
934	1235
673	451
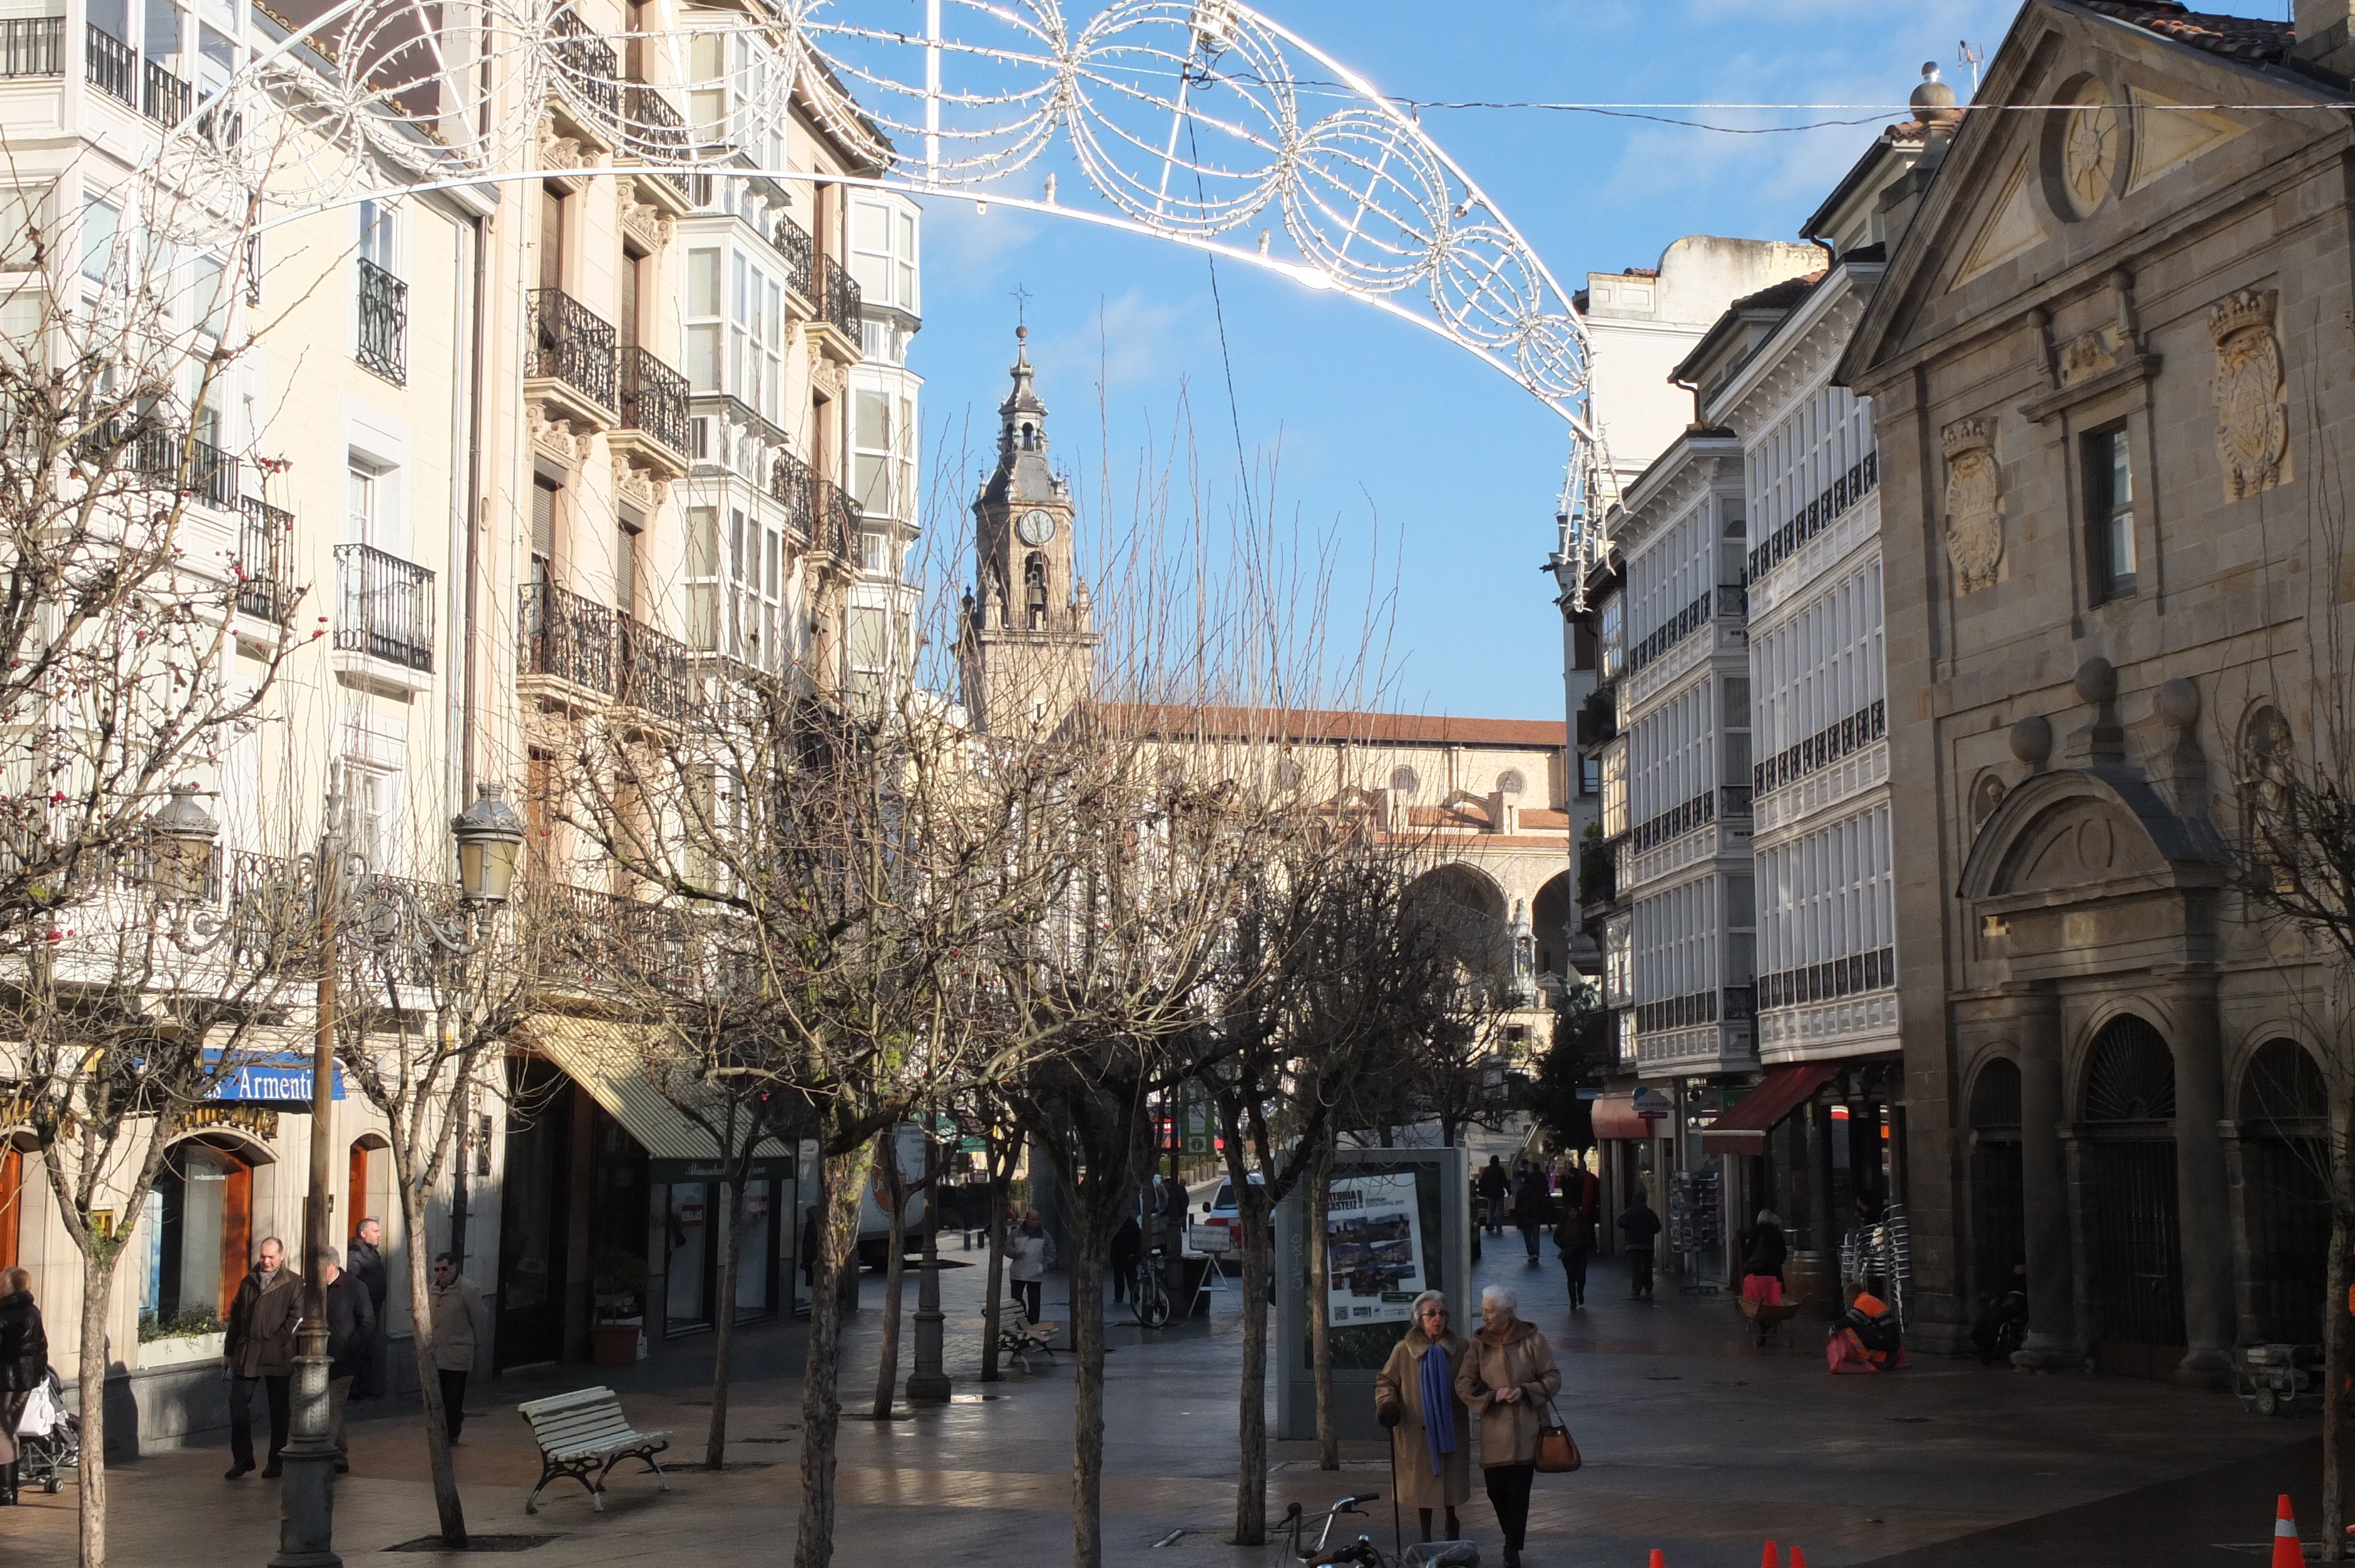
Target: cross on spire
1021	298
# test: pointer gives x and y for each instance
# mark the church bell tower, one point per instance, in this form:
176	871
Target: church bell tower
1028	639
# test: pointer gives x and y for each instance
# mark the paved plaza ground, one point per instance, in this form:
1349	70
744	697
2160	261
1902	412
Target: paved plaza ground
1695	1443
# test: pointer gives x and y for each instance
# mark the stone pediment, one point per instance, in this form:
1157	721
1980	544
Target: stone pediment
2061	193
2079	845
2083	833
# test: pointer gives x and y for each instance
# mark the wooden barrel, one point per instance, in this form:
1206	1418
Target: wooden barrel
1813	1277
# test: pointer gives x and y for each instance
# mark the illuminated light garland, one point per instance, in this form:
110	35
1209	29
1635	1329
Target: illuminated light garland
1173	119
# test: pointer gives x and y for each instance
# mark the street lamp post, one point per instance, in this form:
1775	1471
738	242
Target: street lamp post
929	1382
486	835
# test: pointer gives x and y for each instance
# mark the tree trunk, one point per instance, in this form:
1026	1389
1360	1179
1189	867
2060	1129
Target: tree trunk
846	1188
90	1369
446	1503
1320	1307
993	1316
895	1248
1088	1234
1251	1476
723	1319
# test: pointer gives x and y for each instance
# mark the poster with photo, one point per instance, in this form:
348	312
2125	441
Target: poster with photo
1373	1234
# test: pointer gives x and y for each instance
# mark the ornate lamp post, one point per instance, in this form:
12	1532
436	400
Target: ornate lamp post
929	1384
486	836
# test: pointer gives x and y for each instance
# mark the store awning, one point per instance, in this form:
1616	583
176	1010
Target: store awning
610	1061
1616	1119
1743	1129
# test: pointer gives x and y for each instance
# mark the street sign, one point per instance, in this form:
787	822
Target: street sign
1650	1104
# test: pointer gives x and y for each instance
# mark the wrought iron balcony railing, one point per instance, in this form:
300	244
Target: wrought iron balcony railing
794	243
657	671
838	516
572	344
383	345
262	587
591	68
33	46
793	486
110	65
656	132
384	607
839	308
580	641
653	398
163	97
568	637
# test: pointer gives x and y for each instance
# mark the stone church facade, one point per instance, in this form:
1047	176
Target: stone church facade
2109	365
1484	801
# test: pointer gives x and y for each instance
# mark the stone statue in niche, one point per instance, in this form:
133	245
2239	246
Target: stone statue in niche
1525	956
1974	505
2252	410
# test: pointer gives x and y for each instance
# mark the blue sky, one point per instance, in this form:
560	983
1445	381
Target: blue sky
1429	473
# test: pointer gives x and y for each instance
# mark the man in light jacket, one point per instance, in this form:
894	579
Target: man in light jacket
259	1349
461	1327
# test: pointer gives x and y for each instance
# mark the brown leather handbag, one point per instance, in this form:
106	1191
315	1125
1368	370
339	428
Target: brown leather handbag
1557	1450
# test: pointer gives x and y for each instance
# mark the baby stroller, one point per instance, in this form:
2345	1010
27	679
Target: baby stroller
48	1439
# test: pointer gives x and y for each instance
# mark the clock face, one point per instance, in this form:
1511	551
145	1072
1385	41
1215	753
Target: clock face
1036	527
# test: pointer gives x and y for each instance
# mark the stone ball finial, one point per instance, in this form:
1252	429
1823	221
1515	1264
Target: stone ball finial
2031	739
2178	702
2097	681
1932	102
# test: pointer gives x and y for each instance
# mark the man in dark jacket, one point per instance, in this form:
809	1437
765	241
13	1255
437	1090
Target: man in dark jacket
366	1265
1494	1184
24	1365
351	1334
259	1349
1532	1208
1642	1228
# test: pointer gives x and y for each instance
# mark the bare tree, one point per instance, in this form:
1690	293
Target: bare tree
435	991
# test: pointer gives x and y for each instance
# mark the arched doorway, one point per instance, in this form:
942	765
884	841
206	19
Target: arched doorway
1550	925
1466	910
2284	1117
2134	1275
1998	1215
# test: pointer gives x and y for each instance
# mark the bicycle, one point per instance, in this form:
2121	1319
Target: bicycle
1362	1552
1152	1305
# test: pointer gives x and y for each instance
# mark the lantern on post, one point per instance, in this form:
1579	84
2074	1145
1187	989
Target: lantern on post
184	834
489	833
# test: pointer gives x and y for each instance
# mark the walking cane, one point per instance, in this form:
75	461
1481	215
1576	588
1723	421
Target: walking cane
1397	1536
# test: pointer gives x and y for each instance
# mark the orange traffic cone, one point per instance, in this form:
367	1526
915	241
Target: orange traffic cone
1658	1560
1770	1559
2287	1553
1799	1558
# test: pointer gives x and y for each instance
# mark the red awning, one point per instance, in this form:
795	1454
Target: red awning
1742	1130
1616	1119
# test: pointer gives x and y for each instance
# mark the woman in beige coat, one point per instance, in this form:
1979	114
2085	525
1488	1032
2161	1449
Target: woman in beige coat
1432	1458
1507	1382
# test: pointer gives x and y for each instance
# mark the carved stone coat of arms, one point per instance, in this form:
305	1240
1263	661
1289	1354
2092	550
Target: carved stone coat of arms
1974	505
2252	413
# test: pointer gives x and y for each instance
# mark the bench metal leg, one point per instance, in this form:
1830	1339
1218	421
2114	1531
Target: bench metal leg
550	1471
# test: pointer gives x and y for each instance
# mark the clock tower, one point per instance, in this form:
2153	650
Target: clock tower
1028	639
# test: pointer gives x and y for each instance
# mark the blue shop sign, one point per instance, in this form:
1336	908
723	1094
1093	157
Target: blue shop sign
269	1080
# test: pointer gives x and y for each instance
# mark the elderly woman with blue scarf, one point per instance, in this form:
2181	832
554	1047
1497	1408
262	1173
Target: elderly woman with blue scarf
1431	1432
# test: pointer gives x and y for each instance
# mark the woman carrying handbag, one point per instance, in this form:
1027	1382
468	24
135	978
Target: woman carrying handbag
1509	1382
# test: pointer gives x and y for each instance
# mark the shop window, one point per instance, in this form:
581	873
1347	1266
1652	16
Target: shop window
196	1235
687	1265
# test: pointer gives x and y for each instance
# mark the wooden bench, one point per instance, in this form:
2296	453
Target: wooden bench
585	1432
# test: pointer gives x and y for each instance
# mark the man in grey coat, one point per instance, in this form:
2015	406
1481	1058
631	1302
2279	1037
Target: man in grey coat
461	1329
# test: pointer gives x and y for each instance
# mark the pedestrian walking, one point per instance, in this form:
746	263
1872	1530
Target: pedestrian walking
351	1334
1532	1208
366	1264
1642	1228
1574	1241
1030	1253
23	1367
1495	1186
1761	1264
1506	1382
461	1328
1431	1432
259	1349
1127	1250
1169	1233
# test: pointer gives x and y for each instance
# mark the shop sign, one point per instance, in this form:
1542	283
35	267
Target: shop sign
269	1080
1650	1104
766	1168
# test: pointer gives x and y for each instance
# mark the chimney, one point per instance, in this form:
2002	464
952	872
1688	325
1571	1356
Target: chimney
2326	37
